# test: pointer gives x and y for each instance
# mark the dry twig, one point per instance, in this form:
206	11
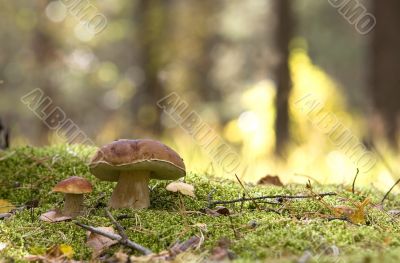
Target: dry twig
120	228
253	199
354	181
121	240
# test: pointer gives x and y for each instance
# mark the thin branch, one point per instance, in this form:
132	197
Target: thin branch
269	203
390	190
383	159
247	193
233	227
253	199
127	242
354	181
120	229
388	167
210	197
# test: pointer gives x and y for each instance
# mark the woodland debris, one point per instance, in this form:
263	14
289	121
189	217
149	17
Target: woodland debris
181	187
354	181
54	216
173	252
247	193
124	242
355	215
270	180
252	199
57	253
217	211
99	243
120	229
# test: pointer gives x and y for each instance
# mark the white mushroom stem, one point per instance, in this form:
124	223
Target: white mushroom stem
73	205
132	190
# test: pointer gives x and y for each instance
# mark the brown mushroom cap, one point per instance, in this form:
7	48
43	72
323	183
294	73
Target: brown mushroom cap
74	185
130	155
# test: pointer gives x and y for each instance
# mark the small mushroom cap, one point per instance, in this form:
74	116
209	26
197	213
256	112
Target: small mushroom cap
74	185
133	155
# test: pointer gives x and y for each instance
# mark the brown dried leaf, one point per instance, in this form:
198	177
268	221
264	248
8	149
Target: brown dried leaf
217	211
222	210
183	188
354	215
54	216
192	243
270	180
99	243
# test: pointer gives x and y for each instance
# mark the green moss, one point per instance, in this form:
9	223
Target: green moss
30	173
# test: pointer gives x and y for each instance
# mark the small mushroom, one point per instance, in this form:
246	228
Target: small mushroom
132	163
74	188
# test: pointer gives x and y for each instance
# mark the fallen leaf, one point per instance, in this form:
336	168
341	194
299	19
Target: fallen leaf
56	253
183	188
66	250
192	243
60	251
54	216
355	215
99	243
217	211
5	206
222	210
270	180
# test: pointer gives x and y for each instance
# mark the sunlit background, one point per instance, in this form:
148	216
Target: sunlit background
219	56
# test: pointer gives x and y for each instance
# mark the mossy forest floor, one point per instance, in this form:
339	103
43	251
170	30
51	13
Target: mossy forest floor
295	229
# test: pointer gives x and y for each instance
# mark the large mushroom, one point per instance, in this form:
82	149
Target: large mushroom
132	163
74	188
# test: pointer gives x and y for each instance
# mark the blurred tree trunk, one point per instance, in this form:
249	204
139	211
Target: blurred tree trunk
4	136
283	36
207	40
44	48
385	66
151	17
